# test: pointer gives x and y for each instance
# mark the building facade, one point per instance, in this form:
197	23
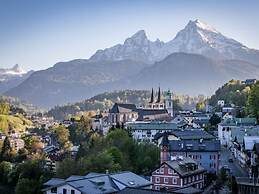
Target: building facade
179	172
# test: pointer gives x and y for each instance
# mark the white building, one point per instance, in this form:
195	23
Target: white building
221	103
146	131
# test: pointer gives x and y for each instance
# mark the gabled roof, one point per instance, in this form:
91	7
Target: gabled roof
195	145
188	134
140	191
180	166
151	125
153	114
95	183
123	108
187	190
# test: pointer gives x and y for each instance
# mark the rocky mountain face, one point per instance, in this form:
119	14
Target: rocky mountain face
12	77
197	37
198	60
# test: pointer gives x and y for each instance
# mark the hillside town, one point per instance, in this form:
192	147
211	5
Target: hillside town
198	151
129	97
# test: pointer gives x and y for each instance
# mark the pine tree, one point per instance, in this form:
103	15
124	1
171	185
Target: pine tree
6	150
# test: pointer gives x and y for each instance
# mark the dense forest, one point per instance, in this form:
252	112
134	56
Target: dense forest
105	101
233	92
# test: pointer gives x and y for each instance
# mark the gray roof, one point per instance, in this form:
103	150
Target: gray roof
95	183
188	190
194	145
54	181
180	166
152	125
123	108
188	134
154	114
239	122
193	134
240	132
140	191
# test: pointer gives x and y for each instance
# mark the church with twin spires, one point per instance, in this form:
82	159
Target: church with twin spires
159	108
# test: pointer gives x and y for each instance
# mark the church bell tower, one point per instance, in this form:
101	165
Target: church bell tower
169	103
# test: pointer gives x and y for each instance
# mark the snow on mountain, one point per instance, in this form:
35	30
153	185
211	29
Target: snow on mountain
12	77
137	48
16	70
197	37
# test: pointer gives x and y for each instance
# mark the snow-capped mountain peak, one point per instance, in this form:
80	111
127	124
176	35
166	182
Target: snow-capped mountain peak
197	37
198	24
15	70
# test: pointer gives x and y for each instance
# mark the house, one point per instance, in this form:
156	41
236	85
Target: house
243	151
96	183
221	103
178	172
186	134
146	130
206	152
226	126
249	81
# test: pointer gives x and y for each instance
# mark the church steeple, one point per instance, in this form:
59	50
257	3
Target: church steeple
152	96
158	96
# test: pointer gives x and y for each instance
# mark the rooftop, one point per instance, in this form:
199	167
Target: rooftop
185	166
96	183
157	125
195	145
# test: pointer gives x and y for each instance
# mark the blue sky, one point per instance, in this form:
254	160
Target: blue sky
36	34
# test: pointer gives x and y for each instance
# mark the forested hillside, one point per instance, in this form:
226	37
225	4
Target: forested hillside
233	91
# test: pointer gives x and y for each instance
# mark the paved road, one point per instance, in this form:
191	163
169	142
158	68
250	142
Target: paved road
236	169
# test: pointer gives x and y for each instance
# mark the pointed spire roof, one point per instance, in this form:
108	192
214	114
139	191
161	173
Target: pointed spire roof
165	140
159	96
152	96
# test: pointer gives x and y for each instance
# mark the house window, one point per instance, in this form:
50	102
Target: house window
197	177
193	178
54	190
185	181
64	191
170	171
200	176
157	171
157	188
190	179
174	180
157	180
72	191
162	170
165	180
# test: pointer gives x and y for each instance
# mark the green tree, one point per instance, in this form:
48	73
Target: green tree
252	106
200	106
6	152
4	108
25	185
214	120
5	169
62	135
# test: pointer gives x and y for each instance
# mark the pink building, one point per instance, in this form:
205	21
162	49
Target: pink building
180	172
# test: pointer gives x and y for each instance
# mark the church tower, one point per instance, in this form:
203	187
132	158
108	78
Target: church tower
164	149
169	103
